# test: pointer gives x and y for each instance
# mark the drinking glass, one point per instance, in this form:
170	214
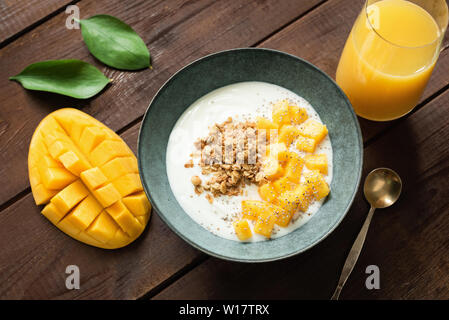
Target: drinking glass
390	54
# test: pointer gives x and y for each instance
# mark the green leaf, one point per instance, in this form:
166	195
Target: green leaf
73	78
115	43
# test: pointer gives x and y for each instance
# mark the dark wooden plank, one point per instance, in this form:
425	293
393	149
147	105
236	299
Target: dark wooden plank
33	263
18	15
408	242
320	38
176	32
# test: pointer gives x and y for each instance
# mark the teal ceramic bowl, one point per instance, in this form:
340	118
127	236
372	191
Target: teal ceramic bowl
237	65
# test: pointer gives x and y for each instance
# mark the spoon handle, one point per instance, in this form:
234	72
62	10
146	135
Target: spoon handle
353	255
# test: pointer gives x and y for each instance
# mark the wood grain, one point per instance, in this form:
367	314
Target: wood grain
18	15
33	266
408	242
176	32
320	38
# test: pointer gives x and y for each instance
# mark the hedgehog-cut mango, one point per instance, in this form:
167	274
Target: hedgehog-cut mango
87	178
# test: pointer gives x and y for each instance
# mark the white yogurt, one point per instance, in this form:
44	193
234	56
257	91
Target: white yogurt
241	101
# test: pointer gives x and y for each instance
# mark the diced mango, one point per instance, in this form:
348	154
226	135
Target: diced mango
294	167
74	162
90	138
281	113
52	213
288	134
127	184
242	230
57	148
297	115
313	129
278	151
41	194
93	178
305	144
297	199
265	124
265	223
107	195
103	228
56	178
272	169
283	184
268	193
124	218
318	187
63	149
70	196
119	167
84	213
138	204
316	162
108	150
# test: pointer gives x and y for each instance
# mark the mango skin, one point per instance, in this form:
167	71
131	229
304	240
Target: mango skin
68	149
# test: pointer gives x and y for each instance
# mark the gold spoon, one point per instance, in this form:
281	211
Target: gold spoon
382	188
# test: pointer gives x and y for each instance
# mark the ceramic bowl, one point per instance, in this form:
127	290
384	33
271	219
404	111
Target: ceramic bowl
250	64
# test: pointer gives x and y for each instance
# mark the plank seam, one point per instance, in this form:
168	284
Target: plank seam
289	23
175	277
34	25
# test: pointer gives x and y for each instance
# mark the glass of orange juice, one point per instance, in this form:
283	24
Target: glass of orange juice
390	54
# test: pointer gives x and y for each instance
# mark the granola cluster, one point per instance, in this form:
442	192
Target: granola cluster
229	153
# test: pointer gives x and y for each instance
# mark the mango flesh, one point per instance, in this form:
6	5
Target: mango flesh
283	193
87	178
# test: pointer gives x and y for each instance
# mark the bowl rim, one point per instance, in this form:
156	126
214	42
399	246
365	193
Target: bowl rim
217	255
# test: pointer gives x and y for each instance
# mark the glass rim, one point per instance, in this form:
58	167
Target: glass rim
442	31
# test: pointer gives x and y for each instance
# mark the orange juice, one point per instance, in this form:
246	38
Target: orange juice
388	58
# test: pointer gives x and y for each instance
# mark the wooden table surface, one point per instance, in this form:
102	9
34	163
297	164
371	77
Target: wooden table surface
408	242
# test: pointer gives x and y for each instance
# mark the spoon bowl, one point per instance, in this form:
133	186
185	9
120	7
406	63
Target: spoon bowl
382	187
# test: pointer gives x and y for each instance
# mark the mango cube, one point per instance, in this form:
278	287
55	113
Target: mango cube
272	168
294	167
119	167
84	213
73	162
265	124
316	162
265	223
268	193
281	113
107	195
297	115
56	178
318	187
107	150
296	199
288	134
124	218
52	213
57	148
103	228
138	204
278	151
283	184
70	196
93	178
90	138
305	144
119	239
242	230
314	130
41	194
127	184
